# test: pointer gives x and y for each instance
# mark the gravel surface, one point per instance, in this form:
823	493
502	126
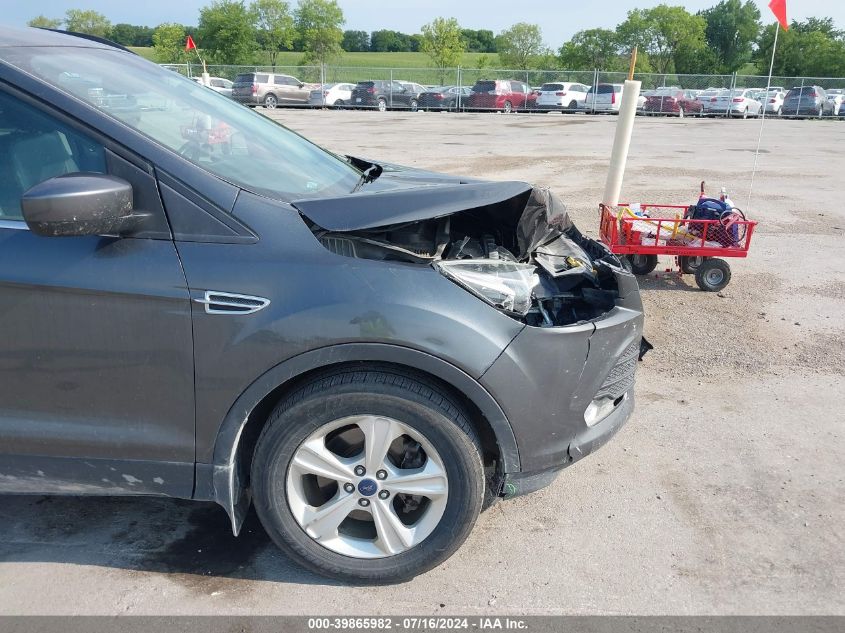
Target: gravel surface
724	494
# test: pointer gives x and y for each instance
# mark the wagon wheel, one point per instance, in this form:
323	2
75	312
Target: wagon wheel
689	264
713	274
642	264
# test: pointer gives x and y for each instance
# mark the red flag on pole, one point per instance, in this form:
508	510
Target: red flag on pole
189	43
778	7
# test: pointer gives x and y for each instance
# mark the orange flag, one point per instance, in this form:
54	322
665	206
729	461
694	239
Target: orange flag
778	7
189	43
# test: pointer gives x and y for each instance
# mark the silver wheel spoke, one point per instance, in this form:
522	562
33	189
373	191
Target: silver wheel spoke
323	522
313	457
379	434
429	481
393	536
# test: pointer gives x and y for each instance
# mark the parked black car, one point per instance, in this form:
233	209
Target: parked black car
443	98
199	303
383	95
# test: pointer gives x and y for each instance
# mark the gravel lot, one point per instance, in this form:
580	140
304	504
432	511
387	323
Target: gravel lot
723	495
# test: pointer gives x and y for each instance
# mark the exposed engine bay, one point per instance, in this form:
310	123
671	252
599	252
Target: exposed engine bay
522	253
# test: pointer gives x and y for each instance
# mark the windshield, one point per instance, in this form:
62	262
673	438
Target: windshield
206	128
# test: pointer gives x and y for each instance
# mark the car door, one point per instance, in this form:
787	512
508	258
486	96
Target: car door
96	357
401	97
286	89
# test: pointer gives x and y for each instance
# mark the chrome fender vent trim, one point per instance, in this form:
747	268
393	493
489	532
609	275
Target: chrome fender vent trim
228	303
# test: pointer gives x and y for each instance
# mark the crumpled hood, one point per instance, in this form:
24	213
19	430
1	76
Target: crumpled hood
405	198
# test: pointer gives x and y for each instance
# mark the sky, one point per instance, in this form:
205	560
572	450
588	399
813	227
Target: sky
559	19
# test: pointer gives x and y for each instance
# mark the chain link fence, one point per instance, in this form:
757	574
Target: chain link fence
591	91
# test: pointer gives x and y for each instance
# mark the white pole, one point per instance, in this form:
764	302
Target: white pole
763	117
621	142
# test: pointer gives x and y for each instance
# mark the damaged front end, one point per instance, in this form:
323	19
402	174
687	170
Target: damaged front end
510	244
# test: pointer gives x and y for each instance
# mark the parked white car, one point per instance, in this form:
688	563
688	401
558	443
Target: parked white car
736	102
334	95
774	101
560	96
836	96
218	84
608	98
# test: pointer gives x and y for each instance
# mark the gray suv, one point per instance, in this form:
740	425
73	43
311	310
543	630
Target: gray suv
270	90
198	303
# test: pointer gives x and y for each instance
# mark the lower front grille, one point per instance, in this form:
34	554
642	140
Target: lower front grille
621	377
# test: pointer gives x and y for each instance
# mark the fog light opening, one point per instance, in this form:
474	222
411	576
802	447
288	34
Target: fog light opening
600	408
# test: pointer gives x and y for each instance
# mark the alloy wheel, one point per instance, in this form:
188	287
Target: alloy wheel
367	486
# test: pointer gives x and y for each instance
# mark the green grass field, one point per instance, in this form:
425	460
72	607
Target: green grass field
364	60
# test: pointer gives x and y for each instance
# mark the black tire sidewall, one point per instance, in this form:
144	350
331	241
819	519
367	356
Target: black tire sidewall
643	268
705	267
287	430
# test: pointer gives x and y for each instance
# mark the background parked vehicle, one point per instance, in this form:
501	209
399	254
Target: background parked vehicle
608	98
736	102
414	88
836	96
561	96
672	101
807	101
381	94
218	84
443	98
270	90
501	95
774	101
333	95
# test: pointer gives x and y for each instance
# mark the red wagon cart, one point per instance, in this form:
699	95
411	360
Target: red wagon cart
698	236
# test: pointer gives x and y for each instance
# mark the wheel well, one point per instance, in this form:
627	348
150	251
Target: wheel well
261	412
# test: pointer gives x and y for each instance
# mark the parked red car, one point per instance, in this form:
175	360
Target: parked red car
672	101
501	95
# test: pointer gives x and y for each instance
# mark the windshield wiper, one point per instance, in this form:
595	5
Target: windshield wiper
368	175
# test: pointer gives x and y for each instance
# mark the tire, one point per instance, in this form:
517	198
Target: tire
382	105
508	108
413	105
573	106
713	274
270	102
339	104
642	264
379	395
689	264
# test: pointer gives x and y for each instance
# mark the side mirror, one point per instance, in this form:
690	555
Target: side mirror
301	85
80	204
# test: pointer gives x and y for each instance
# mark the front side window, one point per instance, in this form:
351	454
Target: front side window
206	128
36	147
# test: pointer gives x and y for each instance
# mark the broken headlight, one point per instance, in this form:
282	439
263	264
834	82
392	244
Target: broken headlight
504	284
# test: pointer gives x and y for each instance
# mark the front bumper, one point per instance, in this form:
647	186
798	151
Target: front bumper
547	377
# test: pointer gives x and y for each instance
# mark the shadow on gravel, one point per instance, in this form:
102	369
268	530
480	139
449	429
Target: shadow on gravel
189	540
673	281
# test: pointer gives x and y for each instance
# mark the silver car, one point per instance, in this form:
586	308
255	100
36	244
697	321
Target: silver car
270	90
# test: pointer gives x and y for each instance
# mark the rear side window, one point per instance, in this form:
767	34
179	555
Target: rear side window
36	147
484	86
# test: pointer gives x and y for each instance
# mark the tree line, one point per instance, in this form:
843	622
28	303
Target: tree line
723	39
